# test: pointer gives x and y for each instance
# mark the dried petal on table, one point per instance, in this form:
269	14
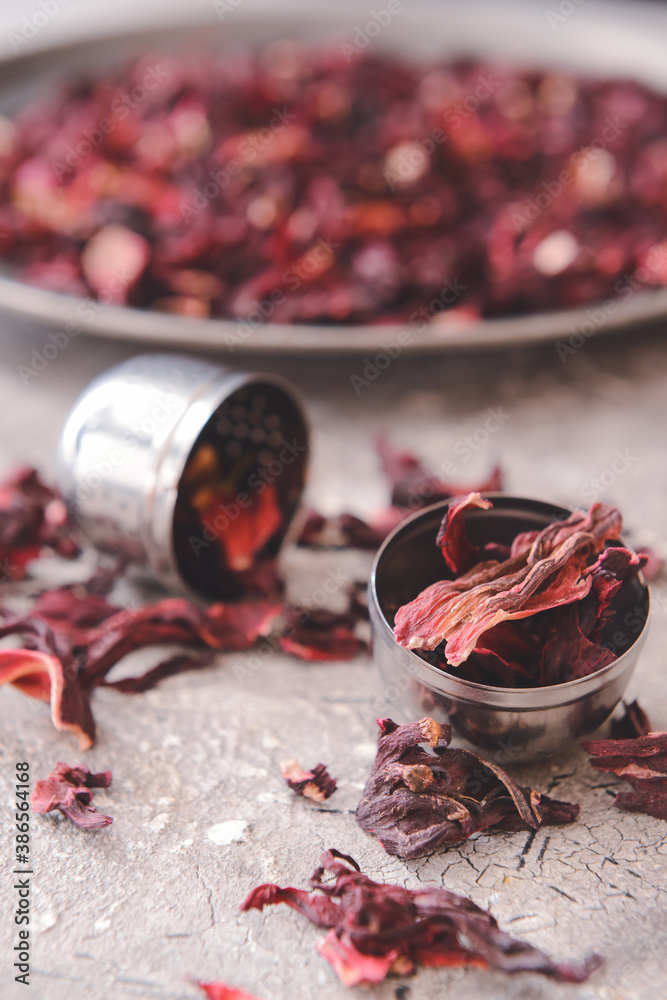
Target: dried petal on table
348	530
416	801
74	639
42	675
32	517
319	634
642	762
69	790
317	784
378	929
413	486
633	723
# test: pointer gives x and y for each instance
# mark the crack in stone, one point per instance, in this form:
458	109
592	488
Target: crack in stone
526	847
209	898
561	892
543	850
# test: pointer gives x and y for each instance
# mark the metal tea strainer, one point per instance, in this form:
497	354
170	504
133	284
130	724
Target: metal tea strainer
175	464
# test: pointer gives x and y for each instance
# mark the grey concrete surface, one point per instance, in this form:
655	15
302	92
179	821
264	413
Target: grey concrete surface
201	814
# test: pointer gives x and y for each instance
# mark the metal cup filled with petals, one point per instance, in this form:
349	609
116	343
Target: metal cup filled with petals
518	621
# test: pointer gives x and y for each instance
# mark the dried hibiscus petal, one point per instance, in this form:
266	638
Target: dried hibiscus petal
348	530
32	516
551	594
633	723
75	639
415	801
413	486
319	634
643	763
317	784
377	929
41	675
69	790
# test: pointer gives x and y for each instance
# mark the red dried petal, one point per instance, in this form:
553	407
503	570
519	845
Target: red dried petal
317	784
414	801
377	929
31	516
320	635
42	676
643	763
459	553
545	570
634	723
68	789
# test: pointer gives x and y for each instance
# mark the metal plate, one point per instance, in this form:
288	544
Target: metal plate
602	39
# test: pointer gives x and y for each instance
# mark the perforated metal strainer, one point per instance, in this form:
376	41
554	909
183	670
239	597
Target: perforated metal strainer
176	464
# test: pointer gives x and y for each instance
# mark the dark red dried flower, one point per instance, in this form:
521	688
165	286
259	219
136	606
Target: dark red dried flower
319	634
415	801
643	763
74	641
377	929
317	784
413	486
654	563
338	190
348	530
529	616
633	723
32	517
69	790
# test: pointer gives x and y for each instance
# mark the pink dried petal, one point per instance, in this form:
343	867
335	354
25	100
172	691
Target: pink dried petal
112	260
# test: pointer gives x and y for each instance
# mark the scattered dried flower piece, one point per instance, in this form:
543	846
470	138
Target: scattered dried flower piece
413	486
654	563
416	801
319	634
377	929
69	790
643	763
32	517
75	639
317	784
348	530
633	723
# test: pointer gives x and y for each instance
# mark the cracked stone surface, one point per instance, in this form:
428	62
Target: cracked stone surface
201	814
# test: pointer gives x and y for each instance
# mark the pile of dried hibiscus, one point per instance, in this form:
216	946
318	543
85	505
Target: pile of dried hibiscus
302	184
524	615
